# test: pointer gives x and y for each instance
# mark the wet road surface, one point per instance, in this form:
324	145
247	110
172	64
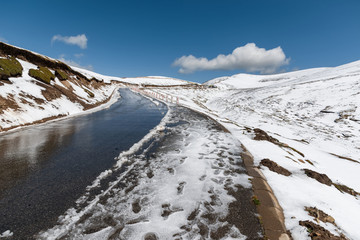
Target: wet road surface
187	182
45	168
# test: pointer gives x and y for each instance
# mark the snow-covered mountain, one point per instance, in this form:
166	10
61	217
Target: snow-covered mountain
306	125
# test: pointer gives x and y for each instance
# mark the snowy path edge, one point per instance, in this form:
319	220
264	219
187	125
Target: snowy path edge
272	215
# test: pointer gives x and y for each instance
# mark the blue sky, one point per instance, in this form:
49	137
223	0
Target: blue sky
139	38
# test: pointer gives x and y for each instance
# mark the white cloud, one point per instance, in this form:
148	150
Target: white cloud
249	58
75	64
78	55
79	40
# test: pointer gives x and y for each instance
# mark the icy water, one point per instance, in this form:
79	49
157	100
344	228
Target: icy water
44	169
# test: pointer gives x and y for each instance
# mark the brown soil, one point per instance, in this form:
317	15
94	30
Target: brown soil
8	102
261	135
322	178
344	188
273	166
38	101
346	158
317	232
50	93
320	215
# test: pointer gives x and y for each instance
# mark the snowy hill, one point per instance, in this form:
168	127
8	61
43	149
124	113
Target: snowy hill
35	88
41	89
303	129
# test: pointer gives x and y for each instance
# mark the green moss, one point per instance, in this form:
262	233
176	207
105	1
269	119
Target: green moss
42	74
255	200
61	75
10	67
91	94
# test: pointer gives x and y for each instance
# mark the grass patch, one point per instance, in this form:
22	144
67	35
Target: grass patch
255	200
61	75
42	74
10	67
91	94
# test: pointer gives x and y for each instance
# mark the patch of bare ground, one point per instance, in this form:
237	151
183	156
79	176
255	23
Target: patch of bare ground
273	166
261	135
38	101
321	178
95	83
342	188
324	179
316	232
319	215
8	102
346	158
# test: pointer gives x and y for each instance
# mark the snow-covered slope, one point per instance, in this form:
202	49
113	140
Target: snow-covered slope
300	120
26	100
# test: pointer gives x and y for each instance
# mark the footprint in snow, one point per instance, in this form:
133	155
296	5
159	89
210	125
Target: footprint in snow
180	187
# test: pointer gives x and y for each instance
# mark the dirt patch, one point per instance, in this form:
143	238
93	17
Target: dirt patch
322	178
310	162
320	215
346	189
261	135
96	84
317	232
38	101
8	102
346	158
273	166
50	93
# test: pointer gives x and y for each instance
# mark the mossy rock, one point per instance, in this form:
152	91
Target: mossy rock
42	74
10	67
61	75
91	94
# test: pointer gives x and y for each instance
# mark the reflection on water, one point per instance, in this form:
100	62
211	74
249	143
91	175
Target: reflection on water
24	151
45	168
